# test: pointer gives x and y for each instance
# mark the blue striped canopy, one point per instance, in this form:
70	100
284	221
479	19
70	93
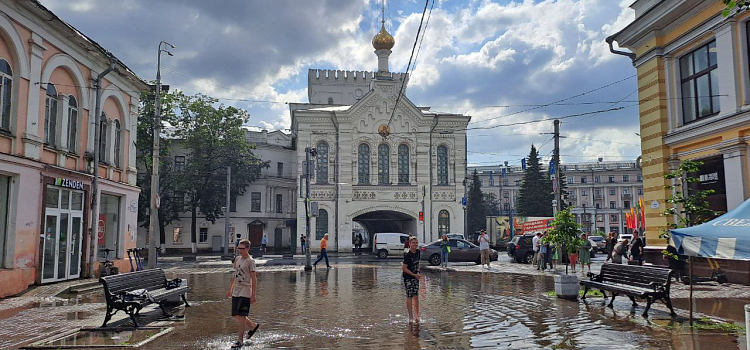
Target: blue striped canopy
726	237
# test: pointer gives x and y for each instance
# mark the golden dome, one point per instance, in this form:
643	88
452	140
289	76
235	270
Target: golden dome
383	40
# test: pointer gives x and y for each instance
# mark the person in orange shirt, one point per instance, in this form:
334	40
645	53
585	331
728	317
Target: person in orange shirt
323	253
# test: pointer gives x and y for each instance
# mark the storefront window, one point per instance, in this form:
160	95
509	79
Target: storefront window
63	227
711	177
109	226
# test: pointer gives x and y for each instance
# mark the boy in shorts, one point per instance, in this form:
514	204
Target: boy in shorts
242	291
410	268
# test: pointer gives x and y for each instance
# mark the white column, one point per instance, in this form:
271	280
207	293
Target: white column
726	36
735	174
32	142
383	60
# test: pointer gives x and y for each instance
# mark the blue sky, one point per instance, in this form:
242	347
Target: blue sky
497	61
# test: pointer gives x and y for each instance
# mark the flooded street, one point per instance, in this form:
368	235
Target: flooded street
363	307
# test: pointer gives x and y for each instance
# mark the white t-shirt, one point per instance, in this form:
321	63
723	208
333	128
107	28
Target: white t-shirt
242	279
535	243
484	242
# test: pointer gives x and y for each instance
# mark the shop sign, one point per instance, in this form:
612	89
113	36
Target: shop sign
62	182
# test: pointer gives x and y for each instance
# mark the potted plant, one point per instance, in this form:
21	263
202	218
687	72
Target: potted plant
564	235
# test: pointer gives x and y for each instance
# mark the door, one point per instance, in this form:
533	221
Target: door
277	239
255	234
62	234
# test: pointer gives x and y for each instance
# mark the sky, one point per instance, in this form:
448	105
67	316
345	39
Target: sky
501	62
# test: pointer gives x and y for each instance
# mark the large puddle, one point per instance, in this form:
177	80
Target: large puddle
356	307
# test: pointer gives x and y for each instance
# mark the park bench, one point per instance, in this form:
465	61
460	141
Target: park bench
645	282
152	280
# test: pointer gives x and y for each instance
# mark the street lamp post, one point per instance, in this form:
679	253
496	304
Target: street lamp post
154	211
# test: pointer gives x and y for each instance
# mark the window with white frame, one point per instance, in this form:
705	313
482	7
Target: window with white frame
50	115
363	164
384	164
597	179
72	123
321	176
612	191
255	201
571	179
103	138
640	191
612	205
203	235
625	178
403	164
6	89
117	144
442	165
583	180
179	163
699	83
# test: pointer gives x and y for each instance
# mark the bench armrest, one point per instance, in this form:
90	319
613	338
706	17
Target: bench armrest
594	277
658	287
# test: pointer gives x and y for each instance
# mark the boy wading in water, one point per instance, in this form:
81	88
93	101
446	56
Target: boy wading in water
411	278
242	291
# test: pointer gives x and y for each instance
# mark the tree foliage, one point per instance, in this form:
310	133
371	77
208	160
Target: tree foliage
475	207
734	5
686	209
564	234
535	195
491	205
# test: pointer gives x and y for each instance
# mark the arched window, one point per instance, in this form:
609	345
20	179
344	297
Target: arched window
321	174
330	100
50	115
321	224
384	163
442	165
118	132
403	164
363	164
444	223
103	138
6	87
72	123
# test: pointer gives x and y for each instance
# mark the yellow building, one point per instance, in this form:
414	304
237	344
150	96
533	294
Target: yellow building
694	98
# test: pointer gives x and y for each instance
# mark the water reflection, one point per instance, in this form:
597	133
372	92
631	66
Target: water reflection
363	308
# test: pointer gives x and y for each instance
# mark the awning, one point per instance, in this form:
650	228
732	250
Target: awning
726	237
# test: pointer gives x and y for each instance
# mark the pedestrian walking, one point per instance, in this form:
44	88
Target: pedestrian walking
264	243
543	248
302	242
584	253
555	256
621	249
410	268
445	249
535	244
242	290
484	248
610	244
636	249
323	251
549	256
358	243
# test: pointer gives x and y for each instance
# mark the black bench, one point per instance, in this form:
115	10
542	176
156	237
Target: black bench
645	282
153	280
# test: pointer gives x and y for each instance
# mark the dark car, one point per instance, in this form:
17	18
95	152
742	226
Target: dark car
521	249
461	250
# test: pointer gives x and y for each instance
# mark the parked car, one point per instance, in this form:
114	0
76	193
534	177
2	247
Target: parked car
521	249
386	243
461	250
599	242
456	236
627	236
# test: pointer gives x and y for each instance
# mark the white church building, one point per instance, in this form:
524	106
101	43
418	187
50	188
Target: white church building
375	166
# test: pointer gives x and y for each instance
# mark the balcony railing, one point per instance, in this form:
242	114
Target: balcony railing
627	196
598	197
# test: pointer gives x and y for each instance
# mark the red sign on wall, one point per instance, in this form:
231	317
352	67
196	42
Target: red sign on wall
101	227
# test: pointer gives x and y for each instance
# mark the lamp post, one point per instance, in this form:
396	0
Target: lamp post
154	212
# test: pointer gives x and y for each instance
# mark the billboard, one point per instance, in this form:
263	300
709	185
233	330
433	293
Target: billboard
499	227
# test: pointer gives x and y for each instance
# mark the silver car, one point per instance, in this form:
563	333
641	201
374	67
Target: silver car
461	251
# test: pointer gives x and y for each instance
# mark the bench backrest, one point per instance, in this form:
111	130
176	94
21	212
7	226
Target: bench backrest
640	276
145	279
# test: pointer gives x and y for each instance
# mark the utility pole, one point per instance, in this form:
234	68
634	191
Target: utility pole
227	215
154	211
95	190
424	234
558	193
308	169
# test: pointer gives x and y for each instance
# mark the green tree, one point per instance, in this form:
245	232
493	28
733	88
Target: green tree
213	139
687	209
491	205
535	196
564	234
564	186
144	160
475	207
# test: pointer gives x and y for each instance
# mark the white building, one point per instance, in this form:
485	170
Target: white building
601	191
267	207
376	166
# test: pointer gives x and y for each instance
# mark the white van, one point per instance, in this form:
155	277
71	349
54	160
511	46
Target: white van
389	243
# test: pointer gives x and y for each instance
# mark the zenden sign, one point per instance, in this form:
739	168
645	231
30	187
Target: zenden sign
76	185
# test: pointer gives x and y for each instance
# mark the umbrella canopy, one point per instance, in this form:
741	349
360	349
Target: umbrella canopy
726	237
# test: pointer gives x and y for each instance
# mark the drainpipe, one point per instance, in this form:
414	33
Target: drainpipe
610	39
94	231
432	129
336	181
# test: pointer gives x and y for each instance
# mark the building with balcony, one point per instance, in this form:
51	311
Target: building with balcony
47	69
379	163
600	193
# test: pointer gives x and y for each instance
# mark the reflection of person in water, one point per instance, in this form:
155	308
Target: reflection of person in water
412	336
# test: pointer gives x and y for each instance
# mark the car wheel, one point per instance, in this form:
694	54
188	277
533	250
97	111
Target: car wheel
528	258
434	259
478	261
382	254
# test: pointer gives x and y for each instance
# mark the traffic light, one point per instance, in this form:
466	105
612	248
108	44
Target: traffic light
421	216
